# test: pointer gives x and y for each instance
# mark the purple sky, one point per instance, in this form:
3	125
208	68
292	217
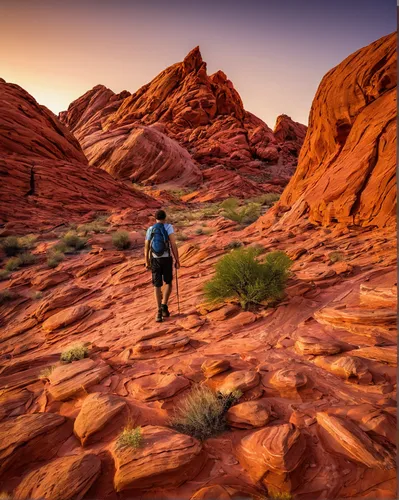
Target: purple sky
274	51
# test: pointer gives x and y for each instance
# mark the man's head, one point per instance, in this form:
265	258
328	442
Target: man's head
160	216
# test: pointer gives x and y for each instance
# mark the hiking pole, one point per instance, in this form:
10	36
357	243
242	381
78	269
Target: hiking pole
177	292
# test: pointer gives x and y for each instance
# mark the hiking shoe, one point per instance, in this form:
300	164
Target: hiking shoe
158	318
165	310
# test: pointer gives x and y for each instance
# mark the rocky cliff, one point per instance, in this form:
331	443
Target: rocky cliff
207	126
346	168
45	176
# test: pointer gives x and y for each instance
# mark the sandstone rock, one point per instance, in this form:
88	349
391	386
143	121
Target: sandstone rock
165	458
242	380
179	120
250	414
288	379
63	479
44	280
382	354
215	492
356	316
278	449
316	347
212	367
29	438
378	296
67	380
46	175
66	317
355	443
97	411
60	300
351	135
13	403
99	262
348	367
154	387
166	342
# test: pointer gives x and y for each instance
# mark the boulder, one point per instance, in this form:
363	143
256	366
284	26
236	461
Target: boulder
155	387
250	414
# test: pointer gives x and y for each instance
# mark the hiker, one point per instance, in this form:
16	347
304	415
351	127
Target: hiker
159	242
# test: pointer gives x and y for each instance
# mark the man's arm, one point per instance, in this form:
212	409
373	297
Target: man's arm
175	250
147	254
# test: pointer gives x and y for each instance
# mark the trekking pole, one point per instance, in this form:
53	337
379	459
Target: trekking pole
177	292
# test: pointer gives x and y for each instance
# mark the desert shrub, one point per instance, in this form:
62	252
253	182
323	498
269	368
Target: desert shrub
11	246
243	215
74	353
4	274
72	241
54	258
6	296
181	237
26	259
130	437
27	242
121	240
210	211
37	295
199	230
239	274
12	264
336	256
92	227
47	372
233	245
201	414
267	199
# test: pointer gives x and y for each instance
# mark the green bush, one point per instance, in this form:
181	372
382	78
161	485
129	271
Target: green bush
54	258
4	274
13	264
27	259
74	353
6	296
72	240
199	230
267	199
243	215
202	413
28	242
47	372
181	237
92	227
130	438
336	256
233	245
239	274
11	246
121	240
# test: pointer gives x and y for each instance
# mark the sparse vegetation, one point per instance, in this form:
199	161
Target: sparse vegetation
233	245
12	264
24	259
239	274
199	231
37	295
73	241
279	495
47	372
202	413
27	242
74	353
4	274
121	240
267	199
130	437
55	258
245	214
336	256
92	227
6	296
181	237
11	246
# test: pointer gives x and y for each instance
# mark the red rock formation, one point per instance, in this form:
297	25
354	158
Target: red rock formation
45	175
204	114
346	168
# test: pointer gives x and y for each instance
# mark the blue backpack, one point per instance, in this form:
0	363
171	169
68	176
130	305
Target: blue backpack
159	239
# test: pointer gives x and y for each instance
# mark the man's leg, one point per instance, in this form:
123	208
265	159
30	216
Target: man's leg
168	290
157	282
158	296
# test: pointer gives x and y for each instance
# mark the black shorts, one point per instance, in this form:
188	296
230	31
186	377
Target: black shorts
162	268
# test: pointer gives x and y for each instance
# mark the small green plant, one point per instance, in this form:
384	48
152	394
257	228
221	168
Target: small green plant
202	413
274	495
6	296
239	274
267	199
11	246
92	227
28	242
55	258
243	215
130	438
4	274
73	240
12	264
336	256
47	372
26	259
37	295
199	230
181	237
233	245
121	240
74	353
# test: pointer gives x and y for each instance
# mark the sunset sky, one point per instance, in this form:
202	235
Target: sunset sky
274	51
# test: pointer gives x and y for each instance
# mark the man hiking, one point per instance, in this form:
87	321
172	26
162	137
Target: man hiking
160	241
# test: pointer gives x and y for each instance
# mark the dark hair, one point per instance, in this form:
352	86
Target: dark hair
160	215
